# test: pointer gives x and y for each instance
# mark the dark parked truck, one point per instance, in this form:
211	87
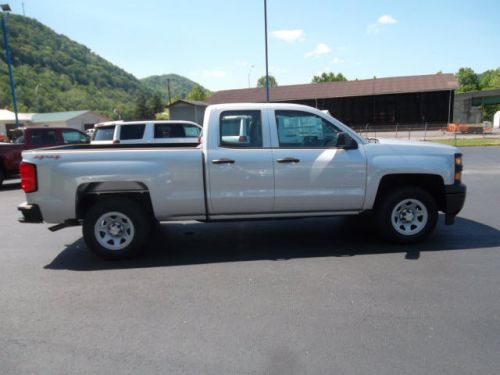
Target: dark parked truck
31	138
255	161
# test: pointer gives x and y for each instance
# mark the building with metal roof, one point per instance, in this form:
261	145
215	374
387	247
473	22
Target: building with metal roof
81	120
189	110
410	100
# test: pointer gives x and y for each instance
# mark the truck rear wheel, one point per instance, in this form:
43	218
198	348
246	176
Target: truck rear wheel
407	214
116	228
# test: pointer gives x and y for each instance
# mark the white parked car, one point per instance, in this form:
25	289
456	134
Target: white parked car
136	132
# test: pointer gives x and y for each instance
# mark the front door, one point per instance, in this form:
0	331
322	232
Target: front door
311	173
240	165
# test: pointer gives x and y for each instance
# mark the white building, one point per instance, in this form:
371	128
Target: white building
496	120
8	121
81	120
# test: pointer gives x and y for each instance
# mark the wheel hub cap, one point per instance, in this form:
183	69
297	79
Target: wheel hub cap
114	230
409	217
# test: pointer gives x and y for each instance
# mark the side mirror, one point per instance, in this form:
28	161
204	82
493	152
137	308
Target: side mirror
346	142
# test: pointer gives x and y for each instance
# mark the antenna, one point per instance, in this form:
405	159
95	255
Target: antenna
24	13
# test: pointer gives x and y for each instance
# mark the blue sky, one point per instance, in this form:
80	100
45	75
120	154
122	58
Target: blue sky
221	43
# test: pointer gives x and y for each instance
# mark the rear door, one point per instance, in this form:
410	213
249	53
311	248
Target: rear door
43	137
311	173
240	164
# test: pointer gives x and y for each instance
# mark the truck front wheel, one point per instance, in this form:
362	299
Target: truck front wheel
406	214
116	228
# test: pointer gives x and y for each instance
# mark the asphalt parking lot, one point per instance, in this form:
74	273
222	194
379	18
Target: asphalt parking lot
318	296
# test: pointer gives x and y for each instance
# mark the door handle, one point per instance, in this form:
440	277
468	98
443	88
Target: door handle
288	160
223	161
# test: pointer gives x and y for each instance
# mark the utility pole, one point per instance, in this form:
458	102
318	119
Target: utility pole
265	31
168	88
5	9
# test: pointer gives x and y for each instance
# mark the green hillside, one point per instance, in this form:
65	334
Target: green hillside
54	73
179	86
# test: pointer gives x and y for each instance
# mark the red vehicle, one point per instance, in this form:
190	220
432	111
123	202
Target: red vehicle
30	138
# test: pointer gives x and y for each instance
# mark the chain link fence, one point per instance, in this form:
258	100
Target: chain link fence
426	132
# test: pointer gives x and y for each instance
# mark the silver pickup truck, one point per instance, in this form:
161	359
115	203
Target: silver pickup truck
255	161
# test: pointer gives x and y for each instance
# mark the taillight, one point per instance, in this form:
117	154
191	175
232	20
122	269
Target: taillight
458	168
28	177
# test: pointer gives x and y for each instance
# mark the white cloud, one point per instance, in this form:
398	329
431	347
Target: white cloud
320	49
386	20
375	28
289	36
336	60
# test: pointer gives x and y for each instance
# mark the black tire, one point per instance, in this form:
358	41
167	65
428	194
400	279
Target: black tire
2	176
125	227
406	214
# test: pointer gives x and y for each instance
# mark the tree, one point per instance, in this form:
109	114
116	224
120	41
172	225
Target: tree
197	93
261	82
467	80
328	77
142	112
157	104
490	79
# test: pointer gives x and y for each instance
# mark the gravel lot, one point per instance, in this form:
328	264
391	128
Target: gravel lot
290	297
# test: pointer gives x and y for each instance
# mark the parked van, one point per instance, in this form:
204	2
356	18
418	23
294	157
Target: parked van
130	132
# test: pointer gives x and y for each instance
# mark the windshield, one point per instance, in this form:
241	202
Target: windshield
104	133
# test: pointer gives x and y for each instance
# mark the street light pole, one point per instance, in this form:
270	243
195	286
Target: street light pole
6	8
249	72
267	70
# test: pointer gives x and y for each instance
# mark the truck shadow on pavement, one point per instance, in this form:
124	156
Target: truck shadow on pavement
181	244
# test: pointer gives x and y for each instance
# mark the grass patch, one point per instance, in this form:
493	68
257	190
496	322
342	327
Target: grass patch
469	142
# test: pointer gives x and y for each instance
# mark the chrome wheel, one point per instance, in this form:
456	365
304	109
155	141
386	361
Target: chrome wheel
409	217
114	230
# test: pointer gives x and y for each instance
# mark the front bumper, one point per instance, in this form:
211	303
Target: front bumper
454	200
31	213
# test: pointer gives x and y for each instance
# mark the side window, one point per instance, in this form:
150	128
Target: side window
304	130
73	137
135	131
241	129
169	131
43	137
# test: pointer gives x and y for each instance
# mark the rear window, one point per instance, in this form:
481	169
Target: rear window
128	132
104	133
